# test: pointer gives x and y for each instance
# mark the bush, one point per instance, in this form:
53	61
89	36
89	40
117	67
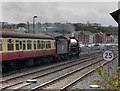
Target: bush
109	82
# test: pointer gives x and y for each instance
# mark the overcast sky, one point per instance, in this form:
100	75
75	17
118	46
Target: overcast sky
74	12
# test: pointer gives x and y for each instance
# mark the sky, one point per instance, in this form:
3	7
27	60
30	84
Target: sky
72	12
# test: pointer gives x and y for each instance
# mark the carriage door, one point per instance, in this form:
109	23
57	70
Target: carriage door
20	48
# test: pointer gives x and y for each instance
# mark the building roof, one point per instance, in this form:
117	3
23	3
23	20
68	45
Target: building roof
109	37
43	33
100	34
67	35
85	32
8	30
24	35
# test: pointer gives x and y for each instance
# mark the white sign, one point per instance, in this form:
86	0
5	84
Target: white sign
108	55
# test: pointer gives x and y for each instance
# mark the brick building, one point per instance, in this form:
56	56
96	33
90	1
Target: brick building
109	39
82	37
8	30
98	38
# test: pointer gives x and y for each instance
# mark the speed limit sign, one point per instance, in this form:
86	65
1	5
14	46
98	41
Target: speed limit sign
108	55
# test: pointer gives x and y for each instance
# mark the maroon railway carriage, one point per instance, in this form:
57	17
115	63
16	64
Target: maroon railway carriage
19	48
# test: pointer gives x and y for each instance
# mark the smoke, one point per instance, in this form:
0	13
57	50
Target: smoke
52	28
70	28
64	28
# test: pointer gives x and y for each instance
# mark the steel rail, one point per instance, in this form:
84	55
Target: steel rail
83	76
77	62
68	62
63	76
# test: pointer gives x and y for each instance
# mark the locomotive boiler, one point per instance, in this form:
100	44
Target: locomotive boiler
67	47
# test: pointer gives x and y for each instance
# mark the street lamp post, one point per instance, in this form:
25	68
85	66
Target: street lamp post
28	26
34	24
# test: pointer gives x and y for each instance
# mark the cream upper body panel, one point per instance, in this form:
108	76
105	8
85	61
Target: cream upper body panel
21	44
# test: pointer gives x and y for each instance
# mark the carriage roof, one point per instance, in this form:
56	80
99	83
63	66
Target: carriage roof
24	35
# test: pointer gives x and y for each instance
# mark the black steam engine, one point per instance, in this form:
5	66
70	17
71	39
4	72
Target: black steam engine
67	47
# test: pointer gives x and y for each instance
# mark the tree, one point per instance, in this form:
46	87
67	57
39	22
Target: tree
21	25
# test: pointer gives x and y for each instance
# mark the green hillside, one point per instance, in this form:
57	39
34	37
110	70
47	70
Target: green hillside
94	27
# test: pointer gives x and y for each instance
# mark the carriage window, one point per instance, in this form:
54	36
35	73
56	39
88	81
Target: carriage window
34	44
48	44
29	44
10	43
54	44
24	46
0	45
20	44
38	44
42	45
17	44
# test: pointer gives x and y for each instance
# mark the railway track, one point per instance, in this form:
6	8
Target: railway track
64	82
26	69
22	78
81	77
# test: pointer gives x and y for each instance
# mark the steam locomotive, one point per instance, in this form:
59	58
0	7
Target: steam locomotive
19	49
